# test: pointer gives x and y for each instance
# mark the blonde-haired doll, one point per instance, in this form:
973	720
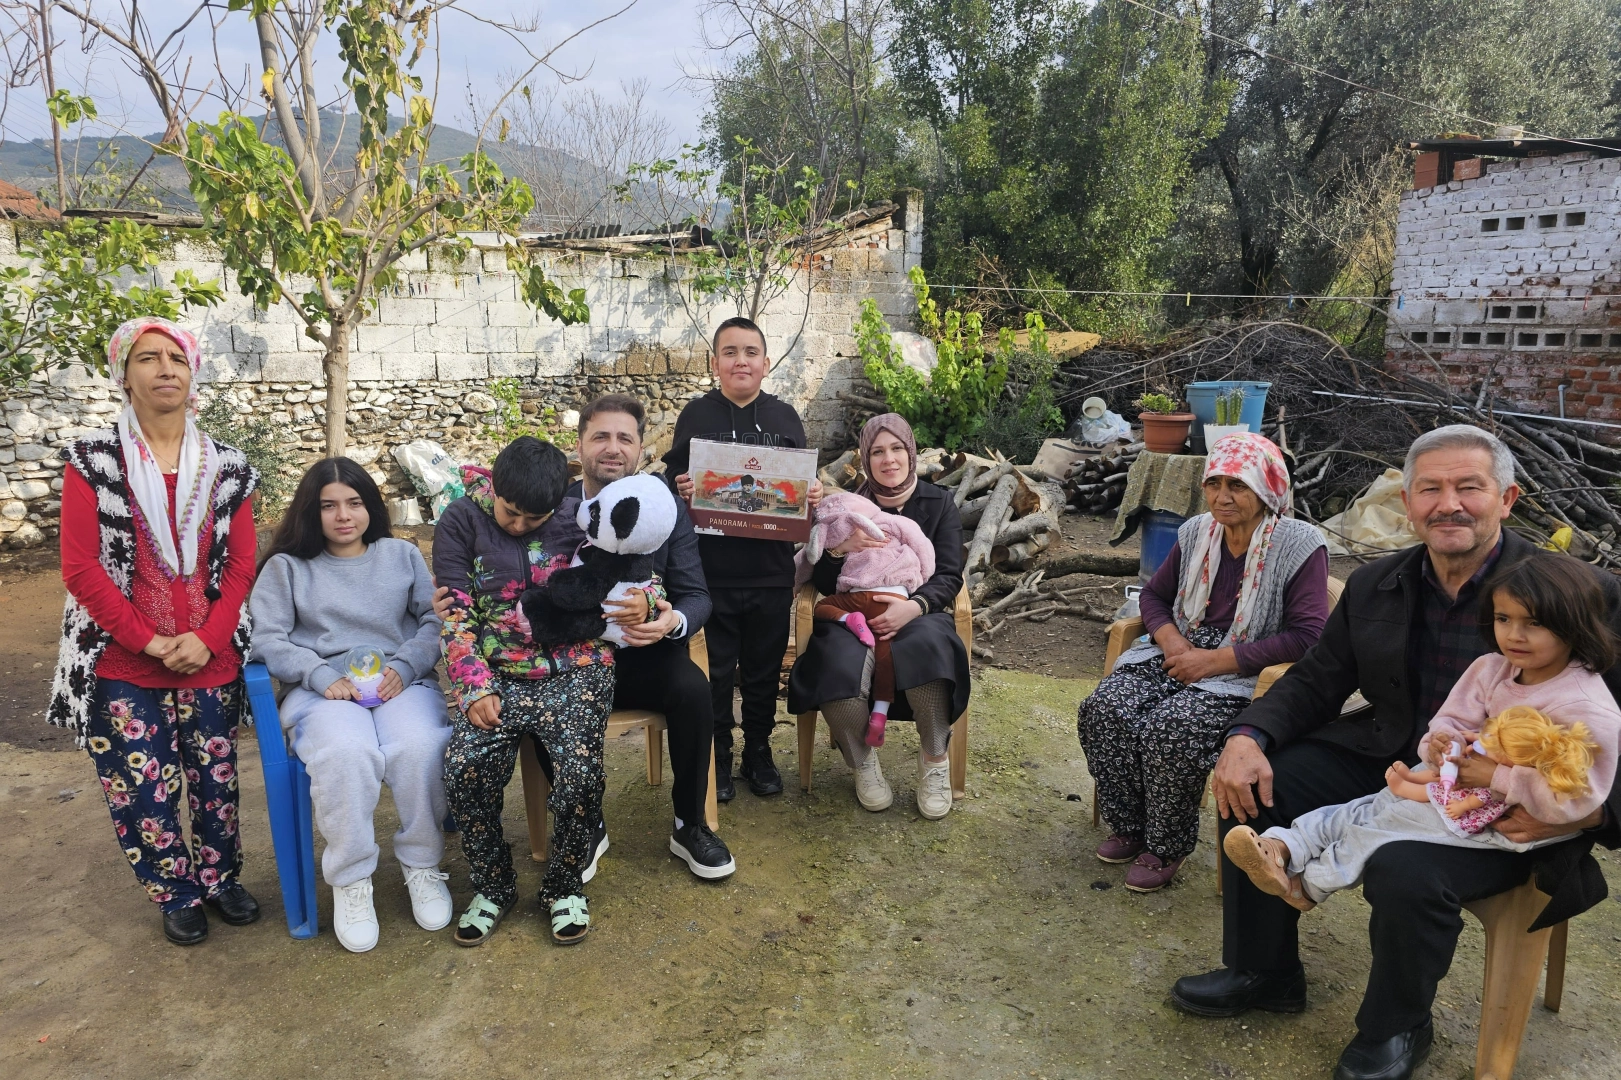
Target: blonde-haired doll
1531	724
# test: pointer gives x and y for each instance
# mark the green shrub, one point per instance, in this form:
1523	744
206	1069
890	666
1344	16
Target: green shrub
1027	413
507	422
949	407
1156	403
266	447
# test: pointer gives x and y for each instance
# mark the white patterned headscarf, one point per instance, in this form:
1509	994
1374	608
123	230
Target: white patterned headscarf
198	464
1258	462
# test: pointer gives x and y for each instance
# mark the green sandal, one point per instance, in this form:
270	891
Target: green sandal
570	920
483	916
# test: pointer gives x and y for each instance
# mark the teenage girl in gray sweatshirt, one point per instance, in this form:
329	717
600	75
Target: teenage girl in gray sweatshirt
333	580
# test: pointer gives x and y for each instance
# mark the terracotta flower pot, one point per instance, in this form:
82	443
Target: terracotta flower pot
1165	433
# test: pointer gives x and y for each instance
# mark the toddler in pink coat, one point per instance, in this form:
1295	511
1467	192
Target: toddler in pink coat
899	567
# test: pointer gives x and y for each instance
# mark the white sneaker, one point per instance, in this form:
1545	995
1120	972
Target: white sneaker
872	790
430	896
353	917
933	788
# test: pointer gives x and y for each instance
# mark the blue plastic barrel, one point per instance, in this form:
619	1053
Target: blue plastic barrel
1202	403
1158	537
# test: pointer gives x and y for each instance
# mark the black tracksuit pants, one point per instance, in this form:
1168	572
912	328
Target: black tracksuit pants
747	635
661	677
1416	891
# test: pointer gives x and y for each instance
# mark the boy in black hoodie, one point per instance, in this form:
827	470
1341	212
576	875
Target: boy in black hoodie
751	582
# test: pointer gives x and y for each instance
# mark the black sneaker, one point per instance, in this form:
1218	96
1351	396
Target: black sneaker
189	925
704	853
234	903
725	790
760	771
599	848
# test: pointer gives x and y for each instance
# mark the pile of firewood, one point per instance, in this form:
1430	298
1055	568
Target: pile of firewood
1097	483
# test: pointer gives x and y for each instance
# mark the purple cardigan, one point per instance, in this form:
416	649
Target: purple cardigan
1305	607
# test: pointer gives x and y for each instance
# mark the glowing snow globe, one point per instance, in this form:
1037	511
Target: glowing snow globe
365	664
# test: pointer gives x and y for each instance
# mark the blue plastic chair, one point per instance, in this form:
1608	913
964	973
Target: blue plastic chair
287	796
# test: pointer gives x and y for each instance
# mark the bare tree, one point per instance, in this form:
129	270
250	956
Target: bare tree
574	147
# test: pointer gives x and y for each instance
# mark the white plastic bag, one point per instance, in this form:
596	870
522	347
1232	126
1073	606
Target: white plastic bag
433	471
1108	428
1375	522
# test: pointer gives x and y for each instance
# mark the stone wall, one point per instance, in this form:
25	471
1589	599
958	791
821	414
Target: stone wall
1513	278
422	365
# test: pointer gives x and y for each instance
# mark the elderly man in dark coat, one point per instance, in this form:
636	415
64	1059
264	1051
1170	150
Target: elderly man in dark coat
1402	634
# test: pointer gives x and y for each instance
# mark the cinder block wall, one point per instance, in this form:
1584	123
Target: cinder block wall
1512	278
421	365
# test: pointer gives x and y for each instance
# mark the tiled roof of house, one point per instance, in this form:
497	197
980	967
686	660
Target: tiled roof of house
16	202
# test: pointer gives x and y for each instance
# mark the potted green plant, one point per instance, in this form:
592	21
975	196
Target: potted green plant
1164	429
1229	407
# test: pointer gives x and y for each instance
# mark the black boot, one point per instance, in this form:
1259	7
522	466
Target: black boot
186	926
1225	992
760	771
1394	1058
725	790
235	904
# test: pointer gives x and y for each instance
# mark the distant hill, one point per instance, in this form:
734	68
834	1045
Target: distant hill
32	165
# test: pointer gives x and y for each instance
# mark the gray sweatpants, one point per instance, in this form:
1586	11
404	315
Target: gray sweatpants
1330	846
350	752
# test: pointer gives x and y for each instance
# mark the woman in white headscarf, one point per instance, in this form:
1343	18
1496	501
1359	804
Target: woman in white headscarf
157	555
1245	587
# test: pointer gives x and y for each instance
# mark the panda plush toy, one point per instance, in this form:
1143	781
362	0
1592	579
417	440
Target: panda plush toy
624	525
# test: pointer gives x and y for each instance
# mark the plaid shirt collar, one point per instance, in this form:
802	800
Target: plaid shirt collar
1446	639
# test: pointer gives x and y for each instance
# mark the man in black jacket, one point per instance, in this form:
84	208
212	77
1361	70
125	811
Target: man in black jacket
654	672
1403	632
751	582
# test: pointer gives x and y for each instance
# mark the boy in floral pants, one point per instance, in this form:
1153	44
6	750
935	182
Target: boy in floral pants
511	531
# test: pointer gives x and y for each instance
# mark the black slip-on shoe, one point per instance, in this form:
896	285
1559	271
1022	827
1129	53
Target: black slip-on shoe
704	853
1394	1058
235	904
725	790
1225	992
760	771
186	926
599	848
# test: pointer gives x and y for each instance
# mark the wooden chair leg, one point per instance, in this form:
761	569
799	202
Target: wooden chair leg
1513	967
711	804
1553	991
1097	812
807	748
957	753
535	790
655	754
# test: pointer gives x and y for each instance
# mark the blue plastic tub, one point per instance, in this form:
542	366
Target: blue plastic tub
1202	403
1158	537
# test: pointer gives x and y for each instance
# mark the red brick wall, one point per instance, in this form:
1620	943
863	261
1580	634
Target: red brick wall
1529	380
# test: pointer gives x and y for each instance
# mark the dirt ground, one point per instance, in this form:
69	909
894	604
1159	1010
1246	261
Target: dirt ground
990	944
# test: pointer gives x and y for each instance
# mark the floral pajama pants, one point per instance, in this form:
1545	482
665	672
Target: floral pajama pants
1150	742
142	742
568	715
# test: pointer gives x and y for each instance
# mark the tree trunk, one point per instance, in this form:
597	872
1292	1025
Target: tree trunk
337	388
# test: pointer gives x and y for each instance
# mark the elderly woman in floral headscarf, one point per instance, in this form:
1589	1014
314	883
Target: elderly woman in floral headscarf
834	674
1245	587
157	556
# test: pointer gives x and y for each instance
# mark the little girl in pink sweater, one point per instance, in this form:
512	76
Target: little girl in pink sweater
1545	617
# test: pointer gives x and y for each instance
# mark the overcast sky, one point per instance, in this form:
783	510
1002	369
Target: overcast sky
652	41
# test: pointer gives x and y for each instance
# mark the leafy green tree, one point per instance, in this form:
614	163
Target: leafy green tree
296	228
1064	134
61	305
1299	146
